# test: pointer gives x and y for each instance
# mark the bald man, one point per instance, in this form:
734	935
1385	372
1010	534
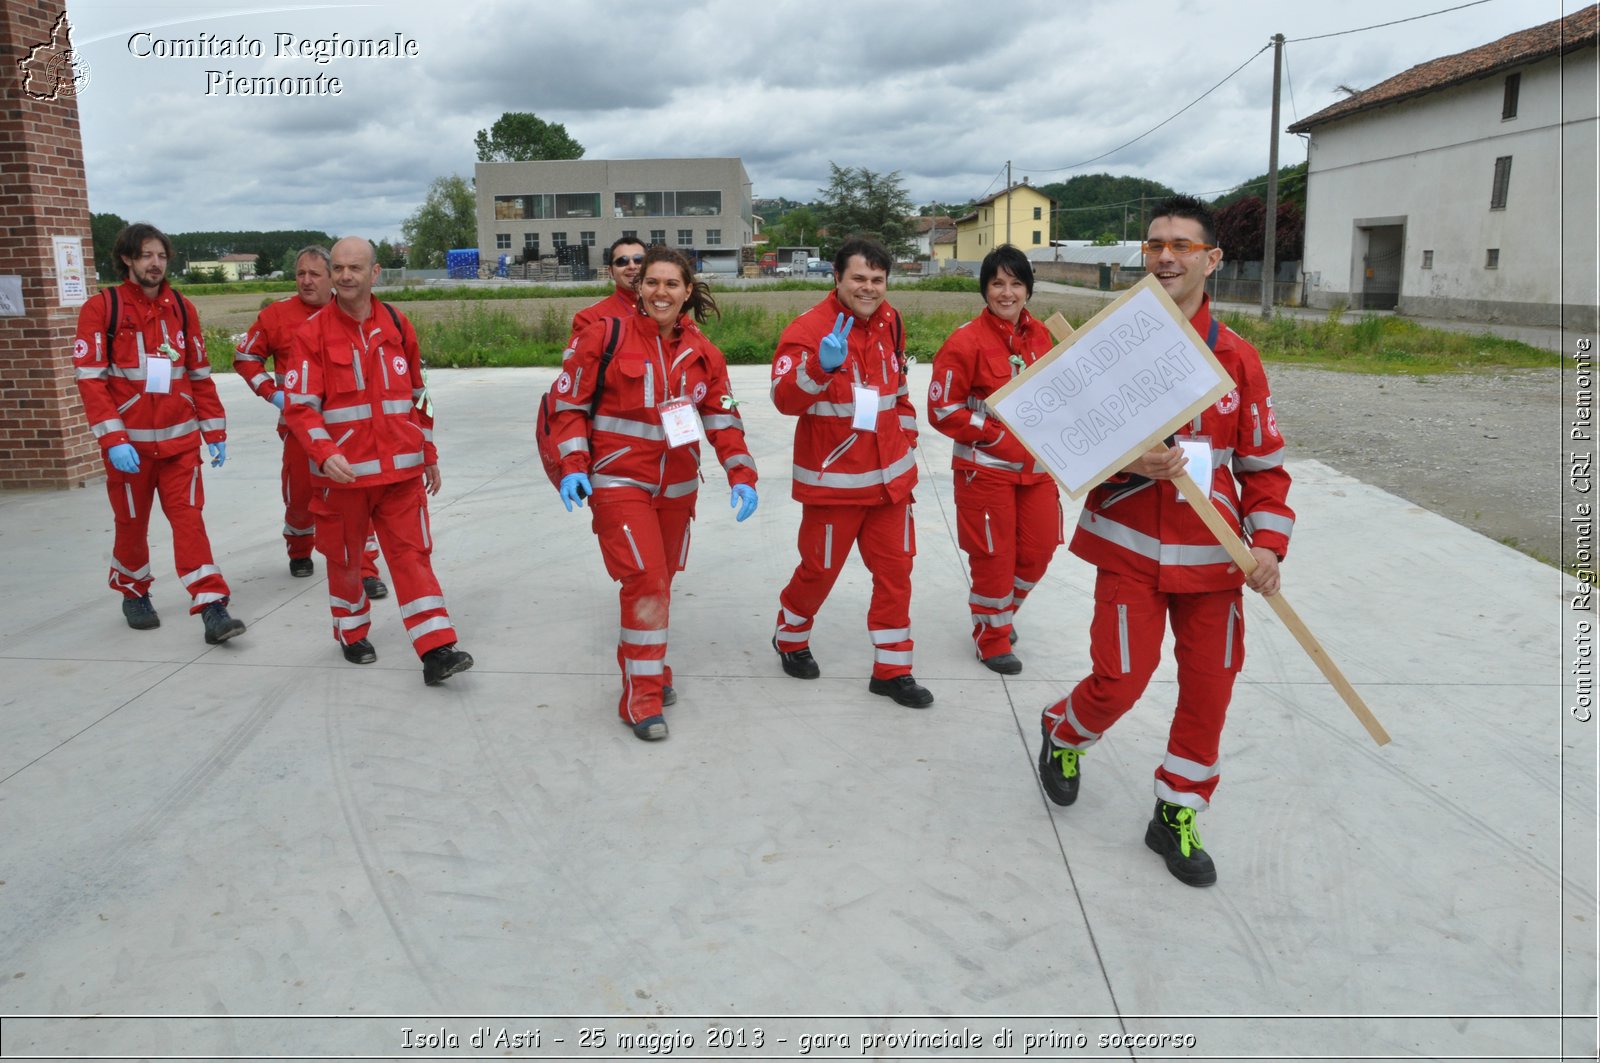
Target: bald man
355	402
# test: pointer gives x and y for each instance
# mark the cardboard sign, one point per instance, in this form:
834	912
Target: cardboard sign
1131	376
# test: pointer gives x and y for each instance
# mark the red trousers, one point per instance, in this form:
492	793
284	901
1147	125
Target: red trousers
183	495
887	540
398	512
644	545
299	529
1010	532
1124	649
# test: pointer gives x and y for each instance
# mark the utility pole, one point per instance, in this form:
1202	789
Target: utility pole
1008	201
1269	253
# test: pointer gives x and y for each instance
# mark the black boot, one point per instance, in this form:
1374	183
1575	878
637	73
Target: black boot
442	662
220	627
140	613
1172	834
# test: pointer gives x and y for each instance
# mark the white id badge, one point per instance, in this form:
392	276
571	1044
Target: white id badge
157	375
682	423
1198	450
866	408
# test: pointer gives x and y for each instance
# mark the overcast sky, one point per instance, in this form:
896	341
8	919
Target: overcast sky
943	92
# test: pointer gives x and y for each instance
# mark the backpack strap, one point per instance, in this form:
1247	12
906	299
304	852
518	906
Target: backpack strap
111	319
1211	335
613	337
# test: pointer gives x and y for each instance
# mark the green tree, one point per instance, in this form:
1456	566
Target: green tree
859	202
1091	204
389	256
448	218
797	228
104	229
1106	239
522	136
1291	188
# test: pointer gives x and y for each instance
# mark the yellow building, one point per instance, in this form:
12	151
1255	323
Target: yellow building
235	267
1019	215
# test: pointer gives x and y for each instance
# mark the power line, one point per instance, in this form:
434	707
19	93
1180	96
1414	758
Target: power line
1152	129
1380	25
1290	79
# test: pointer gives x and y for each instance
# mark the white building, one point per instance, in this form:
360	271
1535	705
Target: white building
1464	187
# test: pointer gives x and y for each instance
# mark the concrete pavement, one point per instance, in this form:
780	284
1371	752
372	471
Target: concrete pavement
265	851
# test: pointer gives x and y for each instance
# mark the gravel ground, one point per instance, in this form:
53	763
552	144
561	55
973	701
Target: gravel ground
1485	450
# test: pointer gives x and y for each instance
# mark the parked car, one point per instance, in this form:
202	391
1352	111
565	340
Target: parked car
819	266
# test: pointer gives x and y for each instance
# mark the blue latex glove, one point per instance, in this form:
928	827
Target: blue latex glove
575	487
124	458
744	496
831	351
219	454
276	399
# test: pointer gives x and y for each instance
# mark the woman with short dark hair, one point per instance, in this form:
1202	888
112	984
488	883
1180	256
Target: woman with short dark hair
1008	513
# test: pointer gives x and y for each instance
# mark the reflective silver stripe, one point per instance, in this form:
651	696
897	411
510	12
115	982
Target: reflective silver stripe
290	529
357	606
208	597
609	458
427	433
908	422
397	405
1180	797
567	407
257	380
792	636
892	656
91	372
1022	584
838	452
1276	522
992	603
906	544
633	667
155	435
623	427
577	445
143	573
793	619
827	546
360	412
1175	554
848	409
681	489
621	481
278	379
1122	639
1077	725
421	605
1227	645
422	528
124	407
126	372
417	393
637	560
348	432
319	434
194	482
428	627
1258	462
213	424
1000	619
683	550
941	412
366	468
353	621
861	479
355	367
1192	770
1221	456
884	636
188	578
714	421
302	399
988	536
640	637
1255	415
245	356
803	380
739	461
979	418
196	372
127	490
113	425
1226	503
1147	546
408	461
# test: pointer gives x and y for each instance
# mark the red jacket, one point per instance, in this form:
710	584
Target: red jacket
112	382
977	360
353	390
624	302
835	464
1144	528
624	443
270	337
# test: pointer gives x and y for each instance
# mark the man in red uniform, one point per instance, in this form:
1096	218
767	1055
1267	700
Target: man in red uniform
1155	558
623	261
147	390
840	370
269	338
355	385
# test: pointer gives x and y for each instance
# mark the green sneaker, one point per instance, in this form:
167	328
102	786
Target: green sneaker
1058	770
1172	834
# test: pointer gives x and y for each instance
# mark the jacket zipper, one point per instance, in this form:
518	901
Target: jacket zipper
839	450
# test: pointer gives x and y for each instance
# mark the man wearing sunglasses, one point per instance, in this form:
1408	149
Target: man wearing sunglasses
623	261
1156	558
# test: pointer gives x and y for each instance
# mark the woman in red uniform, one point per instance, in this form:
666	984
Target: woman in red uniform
1007	511
630	440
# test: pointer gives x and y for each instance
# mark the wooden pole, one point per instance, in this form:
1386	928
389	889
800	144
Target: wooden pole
1241	556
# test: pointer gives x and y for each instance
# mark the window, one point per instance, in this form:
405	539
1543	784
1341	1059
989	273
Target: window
1427	260
1036	236
1038	214
641	204
685	237
578	205
530	239
529	206
502	241
658	236
530	247
1492	259
586	239
699	204
1508	108
713	236
558	240
1502	183
630	234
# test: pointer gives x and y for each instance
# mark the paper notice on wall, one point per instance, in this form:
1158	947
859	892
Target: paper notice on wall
72	281
11	297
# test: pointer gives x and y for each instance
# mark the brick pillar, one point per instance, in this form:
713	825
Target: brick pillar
44	439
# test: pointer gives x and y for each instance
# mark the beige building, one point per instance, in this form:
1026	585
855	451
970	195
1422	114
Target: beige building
1019	215
235	267
701	206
